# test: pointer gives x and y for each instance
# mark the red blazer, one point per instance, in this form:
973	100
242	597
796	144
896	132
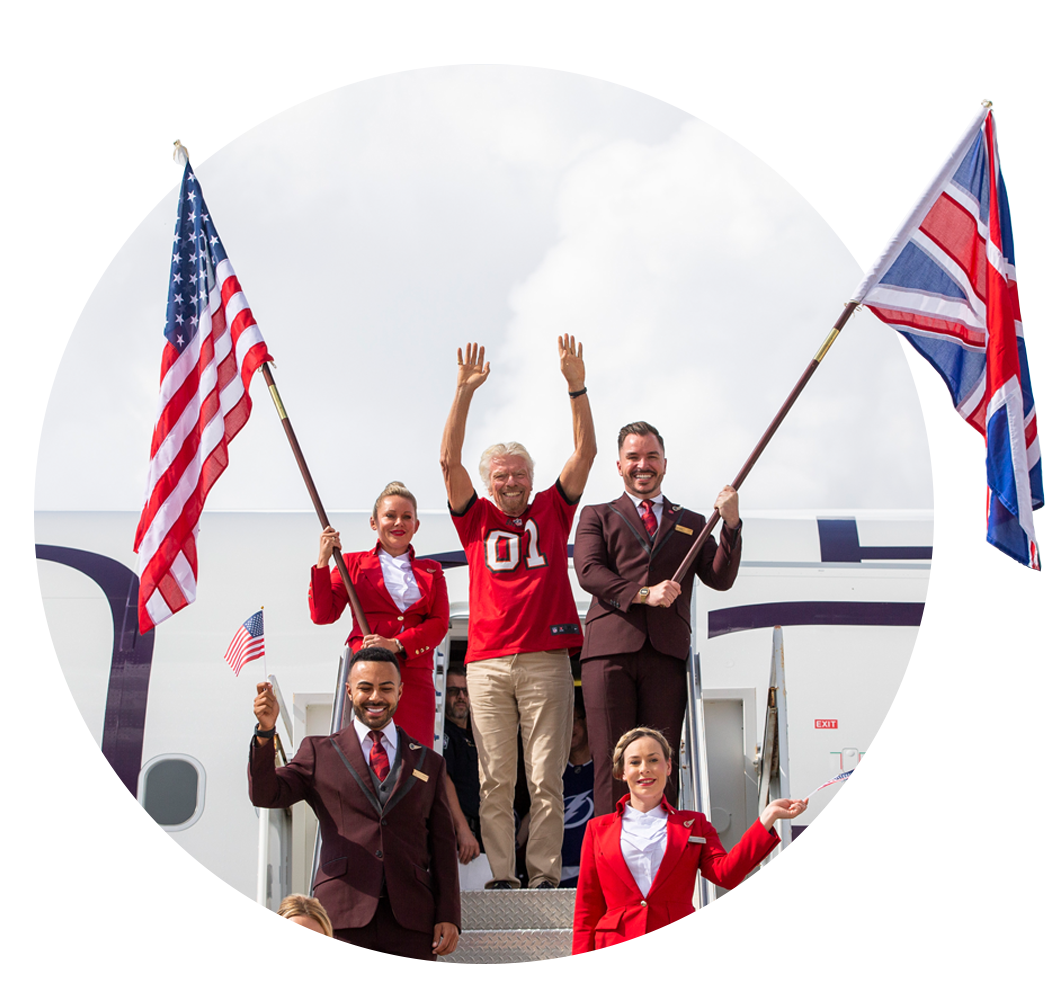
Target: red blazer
614	559
609	907
410	842
420	628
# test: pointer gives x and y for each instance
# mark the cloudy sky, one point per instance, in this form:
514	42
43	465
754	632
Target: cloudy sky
378	227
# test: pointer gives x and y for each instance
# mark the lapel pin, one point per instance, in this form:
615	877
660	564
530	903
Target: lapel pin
689	823
414	746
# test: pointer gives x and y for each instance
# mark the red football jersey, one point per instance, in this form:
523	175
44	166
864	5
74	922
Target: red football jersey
520	598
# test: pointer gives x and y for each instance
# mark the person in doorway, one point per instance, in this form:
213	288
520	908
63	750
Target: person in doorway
578	796
460	756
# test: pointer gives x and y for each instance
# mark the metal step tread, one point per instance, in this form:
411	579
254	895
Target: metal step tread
518	910
510	946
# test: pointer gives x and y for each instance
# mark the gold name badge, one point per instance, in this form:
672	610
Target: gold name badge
684	529
421	776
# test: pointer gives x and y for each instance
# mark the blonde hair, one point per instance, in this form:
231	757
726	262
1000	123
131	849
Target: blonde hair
298	905
618	759
394	488
511	449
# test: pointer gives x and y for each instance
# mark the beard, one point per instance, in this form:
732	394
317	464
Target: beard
365	718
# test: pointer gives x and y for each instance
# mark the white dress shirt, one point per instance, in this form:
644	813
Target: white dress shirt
400	579
643	843
389	740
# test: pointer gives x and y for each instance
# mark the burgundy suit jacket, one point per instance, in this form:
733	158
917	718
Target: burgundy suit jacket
410	843
609	907
614	559
420	628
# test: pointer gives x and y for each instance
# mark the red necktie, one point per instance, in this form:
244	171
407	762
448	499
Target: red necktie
379	759
648	518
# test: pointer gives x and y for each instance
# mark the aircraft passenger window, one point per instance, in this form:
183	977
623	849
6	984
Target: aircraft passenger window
171	789
60	784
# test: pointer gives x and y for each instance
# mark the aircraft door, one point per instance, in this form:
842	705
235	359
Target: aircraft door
777	871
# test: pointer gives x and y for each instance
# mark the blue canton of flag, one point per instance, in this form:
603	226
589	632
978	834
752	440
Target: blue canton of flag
198	253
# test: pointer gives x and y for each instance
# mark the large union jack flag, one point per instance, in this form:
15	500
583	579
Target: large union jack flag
946	282
212	350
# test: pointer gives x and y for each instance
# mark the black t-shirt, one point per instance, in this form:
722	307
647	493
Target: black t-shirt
460	755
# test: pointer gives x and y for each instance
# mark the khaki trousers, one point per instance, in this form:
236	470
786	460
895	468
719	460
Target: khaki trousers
536	692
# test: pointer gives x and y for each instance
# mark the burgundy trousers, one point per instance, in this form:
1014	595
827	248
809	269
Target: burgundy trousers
383	933
621	692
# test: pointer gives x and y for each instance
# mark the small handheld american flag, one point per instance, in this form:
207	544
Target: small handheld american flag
248	644
866	772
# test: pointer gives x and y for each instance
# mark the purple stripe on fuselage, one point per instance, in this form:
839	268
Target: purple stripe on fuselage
116	816
767	615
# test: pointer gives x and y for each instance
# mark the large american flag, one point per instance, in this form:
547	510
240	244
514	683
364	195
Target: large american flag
248	644
213	348
946	282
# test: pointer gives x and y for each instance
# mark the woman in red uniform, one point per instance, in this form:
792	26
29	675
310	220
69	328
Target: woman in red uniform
405	601
639	863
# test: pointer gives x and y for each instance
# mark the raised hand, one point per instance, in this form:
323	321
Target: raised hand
572	366
472	370
266	707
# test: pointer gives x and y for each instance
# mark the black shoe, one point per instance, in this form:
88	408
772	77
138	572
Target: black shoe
501	885
545	885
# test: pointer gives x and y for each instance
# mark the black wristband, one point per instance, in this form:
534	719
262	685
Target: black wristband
575	395
265	733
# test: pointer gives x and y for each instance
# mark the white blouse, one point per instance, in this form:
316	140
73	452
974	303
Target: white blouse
400	579
643	843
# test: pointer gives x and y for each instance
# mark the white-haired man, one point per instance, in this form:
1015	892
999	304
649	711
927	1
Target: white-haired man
523	622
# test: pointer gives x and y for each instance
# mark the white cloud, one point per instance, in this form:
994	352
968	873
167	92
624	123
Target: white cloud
702	285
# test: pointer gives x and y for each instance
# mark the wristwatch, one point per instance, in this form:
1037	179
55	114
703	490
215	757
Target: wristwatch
644	592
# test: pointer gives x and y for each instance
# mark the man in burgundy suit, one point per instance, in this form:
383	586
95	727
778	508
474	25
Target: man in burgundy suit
638	628
388	875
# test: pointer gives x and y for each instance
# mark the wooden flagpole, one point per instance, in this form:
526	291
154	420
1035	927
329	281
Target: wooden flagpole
768	434
354	602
